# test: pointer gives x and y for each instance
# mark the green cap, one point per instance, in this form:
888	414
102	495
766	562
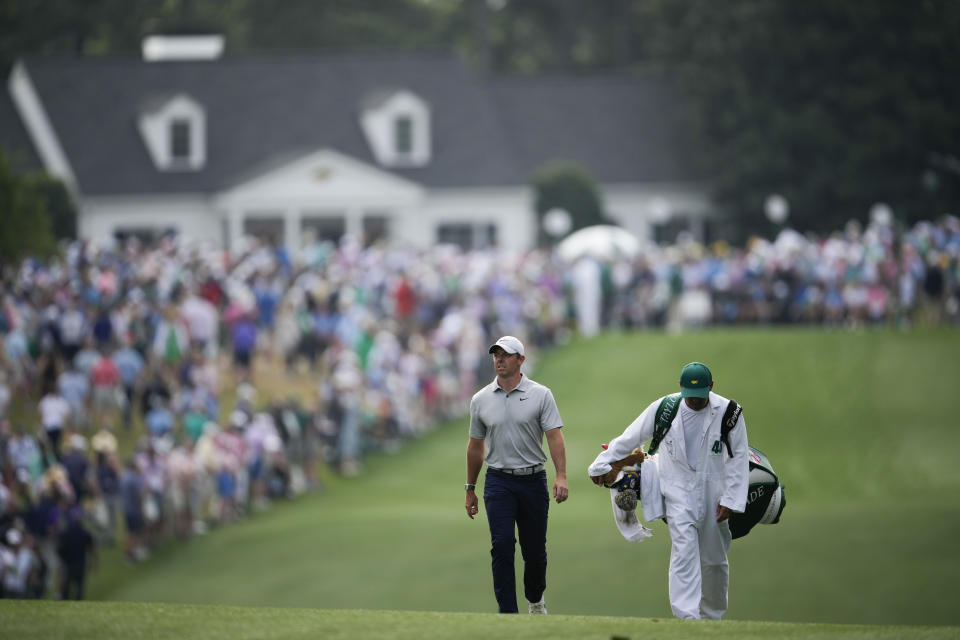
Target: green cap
695	381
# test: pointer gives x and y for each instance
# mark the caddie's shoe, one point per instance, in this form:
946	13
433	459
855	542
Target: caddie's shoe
539	608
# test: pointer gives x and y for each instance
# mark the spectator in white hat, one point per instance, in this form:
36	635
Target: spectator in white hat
17	562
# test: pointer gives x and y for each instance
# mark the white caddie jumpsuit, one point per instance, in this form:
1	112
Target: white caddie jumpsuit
699	573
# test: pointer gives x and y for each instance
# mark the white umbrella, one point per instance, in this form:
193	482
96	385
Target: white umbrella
602	241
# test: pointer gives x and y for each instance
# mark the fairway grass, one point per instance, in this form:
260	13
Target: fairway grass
860	426
130	621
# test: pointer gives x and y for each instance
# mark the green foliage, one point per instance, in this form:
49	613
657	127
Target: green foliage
867	467
836	106
333	24
111	26
24	221
537	36
567	185
57	202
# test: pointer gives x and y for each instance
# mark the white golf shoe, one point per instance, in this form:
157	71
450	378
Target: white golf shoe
538	608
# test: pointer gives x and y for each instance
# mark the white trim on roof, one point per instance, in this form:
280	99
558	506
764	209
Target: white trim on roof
329	177
37	122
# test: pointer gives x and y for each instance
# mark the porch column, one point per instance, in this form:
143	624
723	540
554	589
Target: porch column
698	228
234	228
292	220
353	223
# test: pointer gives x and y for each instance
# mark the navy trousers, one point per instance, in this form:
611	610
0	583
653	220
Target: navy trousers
521	503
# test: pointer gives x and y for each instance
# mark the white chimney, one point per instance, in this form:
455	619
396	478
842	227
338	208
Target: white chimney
167	47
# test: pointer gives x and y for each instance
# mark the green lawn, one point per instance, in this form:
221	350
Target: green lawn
861	428
129	621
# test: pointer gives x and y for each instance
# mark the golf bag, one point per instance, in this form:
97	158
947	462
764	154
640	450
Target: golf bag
765	494
765	497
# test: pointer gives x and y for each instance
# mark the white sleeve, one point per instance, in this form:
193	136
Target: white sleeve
638	432
736	470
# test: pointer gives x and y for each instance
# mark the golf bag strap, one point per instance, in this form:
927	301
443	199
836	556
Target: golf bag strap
730	418
666	412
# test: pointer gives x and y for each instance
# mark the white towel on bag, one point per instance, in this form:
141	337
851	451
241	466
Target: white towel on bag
651	500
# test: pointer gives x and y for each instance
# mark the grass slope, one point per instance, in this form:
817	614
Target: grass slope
103	621
860	426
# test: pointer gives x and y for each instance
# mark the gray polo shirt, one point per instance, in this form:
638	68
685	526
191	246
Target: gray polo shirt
513	423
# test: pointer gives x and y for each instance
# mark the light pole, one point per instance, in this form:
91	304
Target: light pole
776	208
557	223
881	214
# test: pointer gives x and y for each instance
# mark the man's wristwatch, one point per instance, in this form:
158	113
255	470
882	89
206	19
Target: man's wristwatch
469	487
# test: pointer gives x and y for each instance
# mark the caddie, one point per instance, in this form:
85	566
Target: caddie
703	479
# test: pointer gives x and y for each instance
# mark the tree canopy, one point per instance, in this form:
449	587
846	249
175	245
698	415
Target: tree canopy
836	106
568	187
25	223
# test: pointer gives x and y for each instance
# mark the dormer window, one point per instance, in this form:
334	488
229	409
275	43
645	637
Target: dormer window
174	131
397	127
180	140
403	135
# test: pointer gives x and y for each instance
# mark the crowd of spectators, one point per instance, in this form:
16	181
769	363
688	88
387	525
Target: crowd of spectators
116	427
853	278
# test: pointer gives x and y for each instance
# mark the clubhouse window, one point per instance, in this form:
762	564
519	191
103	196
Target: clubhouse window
403	135
468	236
180	140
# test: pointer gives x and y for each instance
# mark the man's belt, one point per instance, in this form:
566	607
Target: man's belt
525	471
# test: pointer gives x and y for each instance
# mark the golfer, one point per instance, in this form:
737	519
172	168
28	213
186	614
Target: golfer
702	484
508	419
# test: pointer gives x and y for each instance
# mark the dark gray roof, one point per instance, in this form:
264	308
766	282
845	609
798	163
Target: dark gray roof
264	108
623	129
14	139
